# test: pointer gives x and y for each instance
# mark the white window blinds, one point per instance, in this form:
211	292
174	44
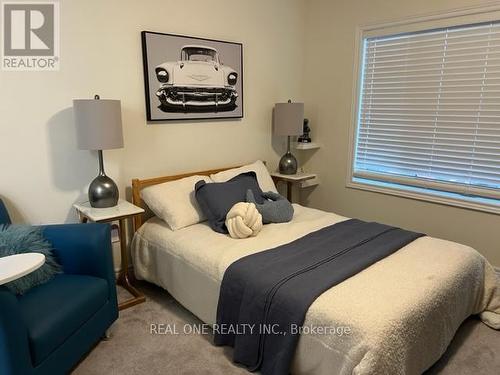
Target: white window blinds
429	113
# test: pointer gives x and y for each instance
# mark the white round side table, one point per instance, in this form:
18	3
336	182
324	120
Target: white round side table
13	267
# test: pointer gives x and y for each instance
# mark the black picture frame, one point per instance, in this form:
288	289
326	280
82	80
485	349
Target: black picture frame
156	115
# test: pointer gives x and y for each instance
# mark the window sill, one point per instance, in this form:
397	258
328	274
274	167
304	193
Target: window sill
429	195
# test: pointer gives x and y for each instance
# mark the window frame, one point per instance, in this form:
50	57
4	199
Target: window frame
457	17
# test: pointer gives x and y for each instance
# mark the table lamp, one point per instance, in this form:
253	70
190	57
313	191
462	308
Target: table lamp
288	119
99	127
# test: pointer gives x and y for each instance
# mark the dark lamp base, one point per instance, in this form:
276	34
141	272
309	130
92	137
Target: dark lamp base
103	192
288	164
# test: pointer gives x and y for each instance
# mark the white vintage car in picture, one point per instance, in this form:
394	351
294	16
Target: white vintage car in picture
198	82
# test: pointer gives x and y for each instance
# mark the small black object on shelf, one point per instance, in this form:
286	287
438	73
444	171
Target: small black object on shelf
305	138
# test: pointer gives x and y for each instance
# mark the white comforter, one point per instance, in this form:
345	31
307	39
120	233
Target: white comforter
402	312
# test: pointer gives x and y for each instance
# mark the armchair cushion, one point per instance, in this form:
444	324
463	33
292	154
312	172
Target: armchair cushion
54	311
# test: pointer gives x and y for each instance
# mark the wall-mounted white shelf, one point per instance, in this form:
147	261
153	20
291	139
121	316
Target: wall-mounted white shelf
306	146
302	180
311	182
297	177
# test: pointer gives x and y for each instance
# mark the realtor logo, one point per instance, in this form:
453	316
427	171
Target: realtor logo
30	38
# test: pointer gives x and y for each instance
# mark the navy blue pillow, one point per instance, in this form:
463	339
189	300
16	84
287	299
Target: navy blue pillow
217	198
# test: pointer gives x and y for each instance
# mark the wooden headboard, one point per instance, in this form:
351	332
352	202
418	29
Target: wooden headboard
138	185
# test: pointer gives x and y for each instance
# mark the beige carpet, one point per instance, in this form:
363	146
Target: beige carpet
132	349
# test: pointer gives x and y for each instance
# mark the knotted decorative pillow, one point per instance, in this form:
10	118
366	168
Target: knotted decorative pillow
243	220
216	199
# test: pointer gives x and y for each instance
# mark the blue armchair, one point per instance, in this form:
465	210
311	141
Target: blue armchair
51	327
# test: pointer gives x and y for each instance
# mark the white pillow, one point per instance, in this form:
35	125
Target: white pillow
174	201
263	177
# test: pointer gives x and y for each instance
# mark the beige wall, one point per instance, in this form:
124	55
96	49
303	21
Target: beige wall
42	172
329	78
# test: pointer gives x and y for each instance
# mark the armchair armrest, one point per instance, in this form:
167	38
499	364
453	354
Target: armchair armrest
4	215
15	357
84	249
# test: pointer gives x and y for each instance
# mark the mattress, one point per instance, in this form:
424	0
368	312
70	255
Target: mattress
397	316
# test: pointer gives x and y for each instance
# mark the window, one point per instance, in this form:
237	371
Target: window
428	112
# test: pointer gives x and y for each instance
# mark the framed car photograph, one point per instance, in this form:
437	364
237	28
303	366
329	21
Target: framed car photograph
189	78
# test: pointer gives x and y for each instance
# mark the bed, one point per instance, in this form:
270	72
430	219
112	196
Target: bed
395	317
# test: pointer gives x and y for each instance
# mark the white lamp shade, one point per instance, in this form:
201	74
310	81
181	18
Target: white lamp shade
98	124
288	119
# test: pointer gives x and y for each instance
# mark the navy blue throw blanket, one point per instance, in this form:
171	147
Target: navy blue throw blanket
264	297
